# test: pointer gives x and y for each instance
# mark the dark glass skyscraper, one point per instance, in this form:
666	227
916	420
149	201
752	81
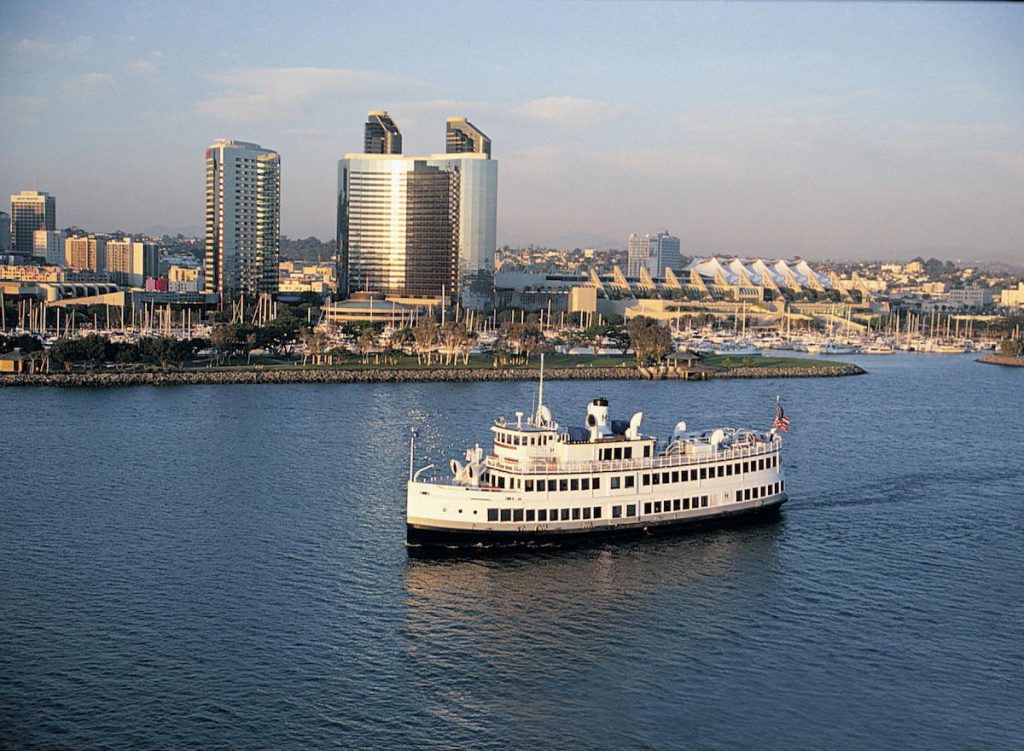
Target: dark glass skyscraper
381	135
30	210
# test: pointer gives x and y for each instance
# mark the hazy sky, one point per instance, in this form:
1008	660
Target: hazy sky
825	130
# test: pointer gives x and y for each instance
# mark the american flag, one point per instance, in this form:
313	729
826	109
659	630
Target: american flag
781	421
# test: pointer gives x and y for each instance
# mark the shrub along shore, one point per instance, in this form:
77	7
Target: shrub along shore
1003	360
405	375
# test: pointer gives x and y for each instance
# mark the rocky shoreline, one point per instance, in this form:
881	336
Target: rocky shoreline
1013	362
388	375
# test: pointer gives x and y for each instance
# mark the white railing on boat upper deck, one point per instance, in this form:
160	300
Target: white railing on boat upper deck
548	466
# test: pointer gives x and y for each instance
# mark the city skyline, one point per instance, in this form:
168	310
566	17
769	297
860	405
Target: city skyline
818	131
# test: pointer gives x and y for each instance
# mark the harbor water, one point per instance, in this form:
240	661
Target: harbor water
224	567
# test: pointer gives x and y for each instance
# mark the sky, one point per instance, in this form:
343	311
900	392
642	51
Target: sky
828	131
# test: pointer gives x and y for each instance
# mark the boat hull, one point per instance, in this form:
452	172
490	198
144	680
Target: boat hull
420	535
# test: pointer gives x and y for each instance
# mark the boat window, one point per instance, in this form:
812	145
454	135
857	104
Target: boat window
646	480
657	507
585	483
553	485
675	505
574	484
627	452
686	504
506	515
647	507
657	479
739	496
530	514
597	512
721	470
618	452
675	476
760	463
616	512
703	473
529	486
586	512
728	470
630	481
597	483
553	515
563	485
492	514
647	450
565	515
575	514
615	483
631	509
517	515
664	477
693	475
703	500
746	467
542	515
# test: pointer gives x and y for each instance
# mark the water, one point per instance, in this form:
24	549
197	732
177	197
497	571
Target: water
223	567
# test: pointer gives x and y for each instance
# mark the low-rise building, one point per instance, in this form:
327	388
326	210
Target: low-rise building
301	276
971	297
1013	298
31	273
184	278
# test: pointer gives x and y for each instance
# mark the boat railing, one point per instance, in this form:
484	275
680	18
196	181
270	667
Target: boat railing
546	466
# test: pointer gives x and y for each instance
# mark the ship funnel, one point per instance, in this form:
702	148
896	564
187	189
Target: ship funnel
597	419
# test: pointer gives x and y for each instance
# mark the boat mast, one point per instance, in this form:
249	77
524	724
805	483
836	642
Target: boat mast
540	390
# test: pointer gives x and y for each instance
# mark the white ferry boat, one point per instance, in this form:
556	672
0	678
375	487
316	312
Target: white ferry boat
542	481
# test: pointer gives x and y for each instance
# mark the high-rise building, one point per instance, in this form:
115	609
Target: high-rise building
86	253
30	210
381	135
243	218
130	262
48	244
5	232
654	253
462	137
637	251
419	226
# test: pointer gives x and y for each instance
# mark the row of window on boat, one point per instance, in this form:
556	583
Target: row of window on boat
665	477
587	513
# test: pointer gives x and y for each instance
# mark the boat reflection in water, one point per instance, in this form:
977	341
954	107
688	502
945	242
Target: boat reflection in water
509	604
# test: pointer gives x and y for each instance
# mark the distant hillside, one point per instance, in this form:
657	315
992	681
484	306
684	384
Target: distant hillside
308	249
